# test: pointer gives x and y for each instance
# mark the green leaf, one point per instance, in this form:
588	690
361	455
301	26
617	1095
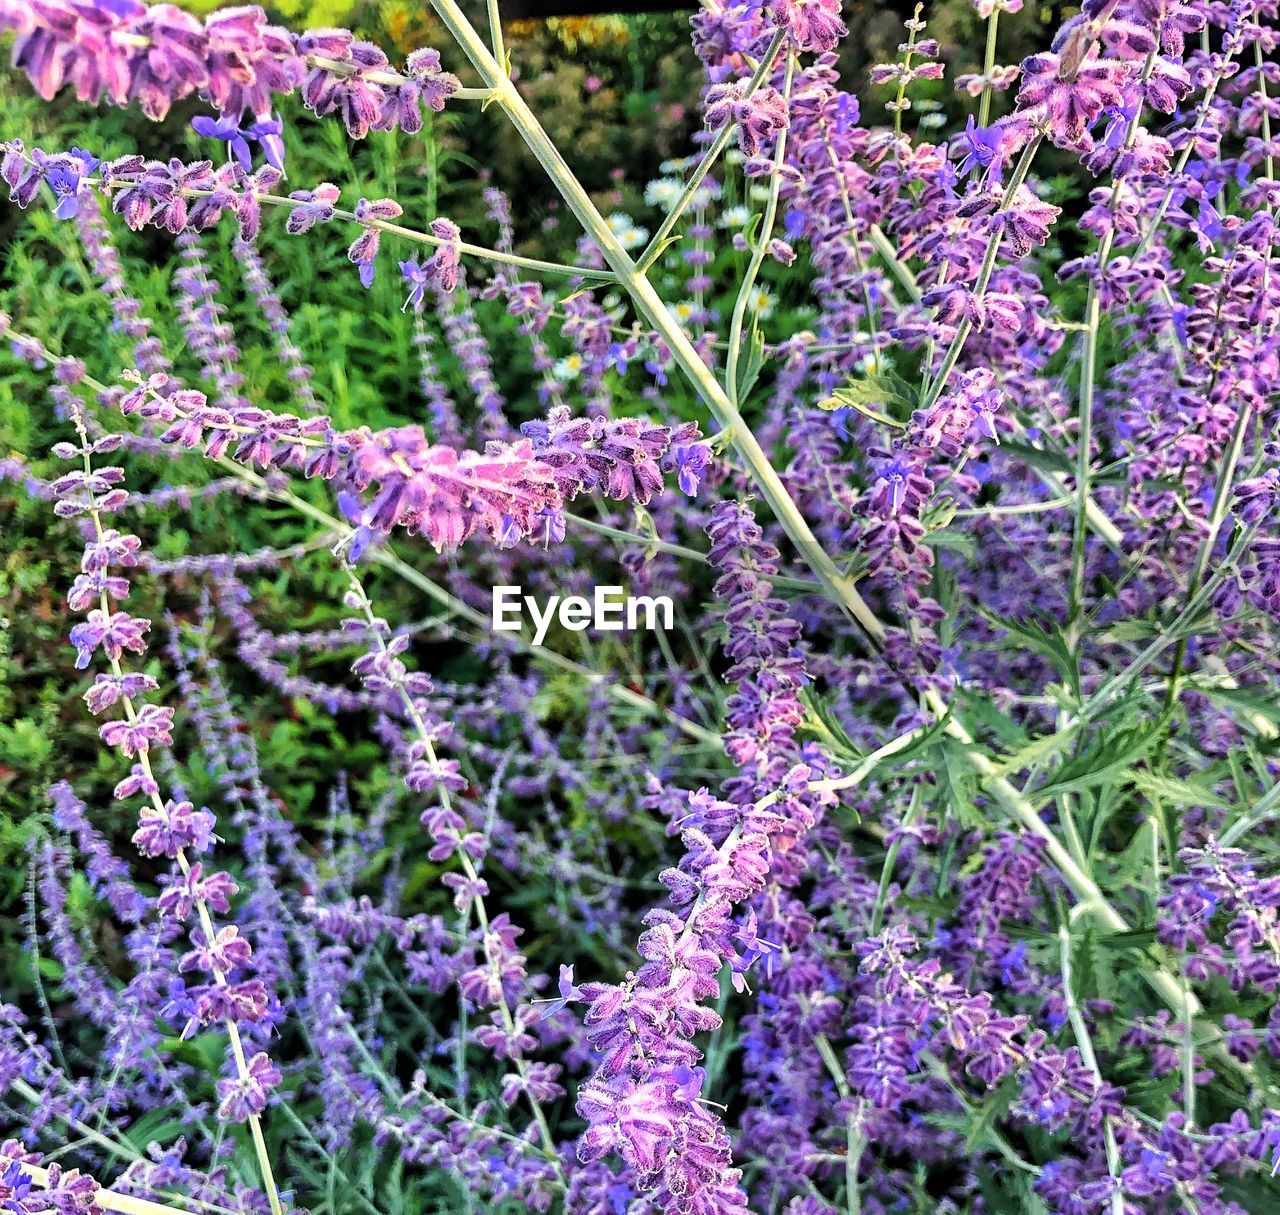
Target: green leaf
898	398
749	368
1047	461
980	708
957	782
1245	699
1034	752
1106	759
1171	789
1046	639
820	721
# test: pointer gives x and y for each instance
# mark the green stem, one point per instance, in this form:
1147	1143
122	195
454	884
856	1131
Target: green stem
495	31
1085	1043
654	311
899	104
1084	439
758	253
1020	171
988	65
653	250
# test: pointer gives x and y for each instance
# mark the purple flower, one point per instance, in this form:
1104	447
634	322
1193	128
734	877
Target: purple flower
440	270
64	175
569	993
169	831
113	633
980	147
228	130
760	115
313	207
364	248
814	25
1071	96
691	461
243	1097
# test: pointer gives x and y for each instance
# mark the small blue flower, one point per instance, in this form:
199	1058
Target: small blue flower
617	357
415	274
1118	119
64	175
655	369
983	148
691	463
1013	964
266	132
840	419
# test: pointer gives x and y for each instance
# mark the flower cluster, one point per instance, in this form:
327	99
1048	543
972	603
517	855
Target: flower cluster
126	52
222	989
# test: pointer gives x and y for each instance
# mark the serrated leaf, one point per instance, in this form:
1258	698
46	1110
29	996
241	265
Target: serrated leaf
957	782
980	707
821	721
1171	789
897	398
1249	701
1034	752
1046	639
1105	760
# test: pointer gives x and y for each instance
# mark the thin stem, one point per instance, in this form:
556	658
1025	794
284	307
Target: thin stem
1085	1043
180	857
1084	438
758	254
653	249
988	65
890	862
954	350
900	102
495	31
901	271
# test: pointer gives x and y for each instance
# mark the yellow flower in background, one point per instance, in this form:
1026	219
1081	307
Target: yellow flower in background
575	32
299	14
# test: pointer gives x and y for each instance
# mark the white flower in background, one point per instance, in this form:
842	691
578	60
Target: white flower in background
662	192
931	122
759	191
761	303
683	311
705	195
569	367
735	217
630	235
734	156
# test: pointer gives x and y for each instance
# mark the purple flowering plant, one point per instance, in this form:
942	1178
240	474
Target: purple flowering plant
924	860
